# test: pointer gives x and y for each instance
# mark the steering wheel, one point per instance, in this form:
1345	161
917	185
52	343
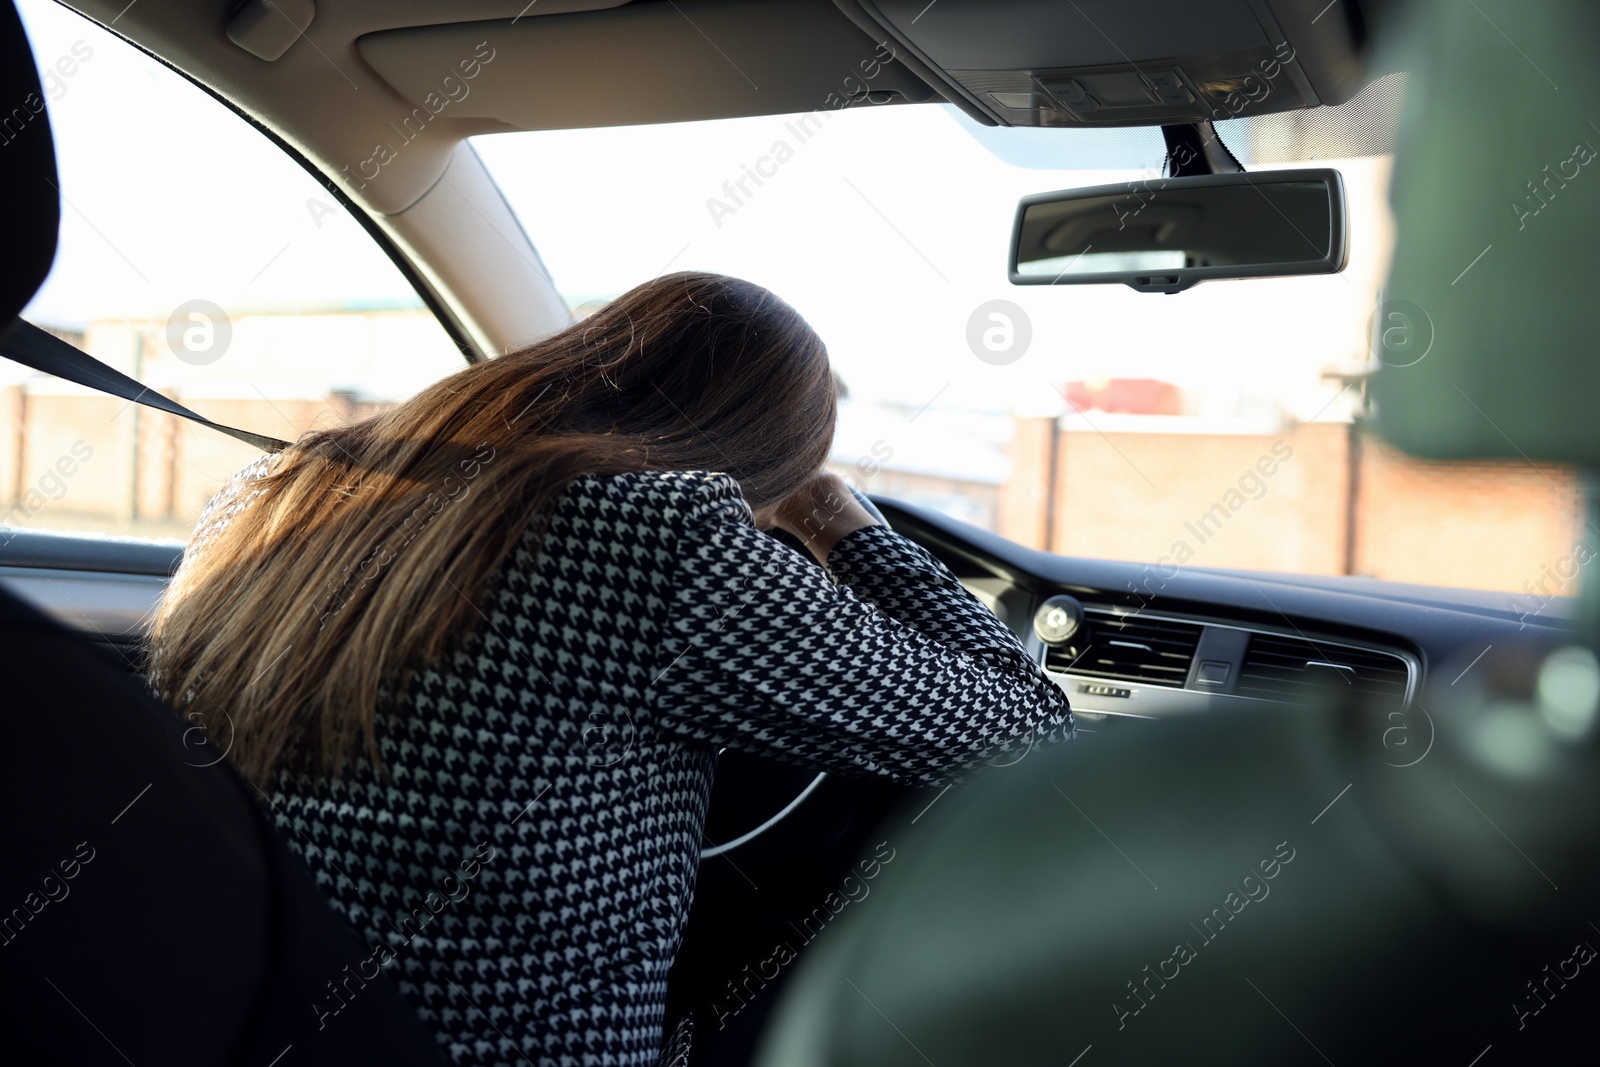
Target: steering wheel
715	850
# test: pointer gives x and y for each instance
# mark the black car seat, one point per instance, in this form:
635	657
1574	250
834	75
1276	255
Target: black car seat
1284	886
149	912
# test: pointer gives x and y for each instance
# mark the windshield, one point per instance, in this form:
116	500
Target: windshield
1218	427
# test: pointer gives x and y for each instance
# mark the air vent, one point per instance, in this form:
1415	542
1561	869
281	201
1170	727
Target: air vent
1128	647
1289	668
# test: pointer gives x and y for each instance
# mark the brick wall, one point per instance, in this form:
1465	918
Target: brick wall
64	458
1322	498
1488	525
120	466
1024	506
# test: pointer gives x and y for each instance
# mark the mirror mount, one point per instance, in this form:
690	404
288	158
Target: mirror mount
1197	148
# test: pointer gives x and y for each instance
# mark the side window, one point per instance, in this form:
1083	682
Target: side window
200	259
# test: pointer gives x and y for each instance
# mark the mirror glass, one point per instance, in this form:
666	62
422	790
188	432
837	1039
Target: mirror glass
1168	233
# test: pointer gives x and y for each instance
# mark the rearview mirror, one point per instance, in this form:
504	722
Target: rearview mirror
1162	235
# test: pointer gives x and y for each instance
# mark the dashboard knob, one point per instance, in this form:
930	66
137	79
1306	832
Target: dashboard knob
1058	619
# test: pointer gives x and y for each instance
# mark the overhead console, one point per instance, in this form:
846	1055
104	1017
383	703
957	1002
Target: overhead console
583	63
1125	62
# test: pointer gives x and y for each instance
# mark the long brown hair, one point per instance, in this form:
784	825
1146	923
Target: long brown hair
369	548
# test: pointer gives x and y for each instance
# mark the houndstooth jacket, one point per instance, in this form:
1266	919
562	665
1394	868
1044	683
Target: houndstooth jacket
524	872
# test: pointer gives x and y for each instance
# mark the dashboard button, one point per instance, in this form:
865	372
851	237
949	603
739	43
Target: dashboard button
1058	619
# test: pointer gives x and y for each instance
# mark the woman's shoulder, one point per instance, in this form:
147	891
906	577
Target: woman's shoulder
231	498
633	516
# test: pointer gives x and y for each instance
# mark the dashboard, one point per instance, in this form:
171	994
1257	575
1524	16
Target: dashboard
1136	640
1123	660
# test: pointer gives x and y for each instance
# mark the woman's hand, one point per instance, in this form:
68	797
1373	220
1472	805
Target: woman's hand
819	513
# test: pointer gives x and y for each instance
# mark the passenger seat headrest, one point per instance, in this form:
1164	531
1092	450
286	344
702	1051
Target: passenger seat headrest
30	203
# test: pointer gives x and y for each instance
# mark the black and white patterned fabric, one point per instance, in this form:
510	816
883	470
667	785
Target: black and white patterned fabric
525	869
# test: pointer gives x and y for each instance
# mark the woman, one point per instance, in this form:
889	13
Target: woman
480	652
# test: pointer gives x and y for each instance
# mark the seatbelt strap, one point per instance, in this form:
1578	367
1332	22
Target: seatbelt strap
27	344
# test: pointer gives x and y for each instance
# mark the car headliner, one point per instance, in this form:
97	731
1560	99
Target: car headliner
561	63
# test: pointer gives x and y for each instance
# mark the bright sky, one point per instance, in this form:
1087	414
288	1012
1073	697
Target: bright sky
170	197
887	228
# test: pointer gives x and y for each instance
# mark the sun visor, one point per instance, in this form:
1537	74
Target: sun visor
644	63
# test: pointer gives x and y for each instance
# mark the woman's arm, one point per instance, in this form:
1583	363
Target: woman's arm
821	513
883	665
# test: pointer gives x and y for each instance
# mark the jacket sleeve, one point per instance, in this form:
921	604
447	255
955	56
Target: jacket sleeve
882	665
